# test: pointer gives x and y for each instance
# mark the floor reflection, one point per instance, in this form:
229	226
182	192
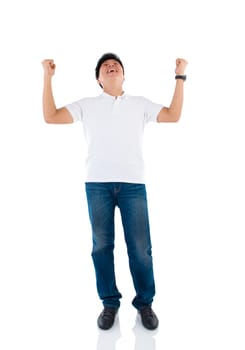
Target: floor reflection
144	339
107	339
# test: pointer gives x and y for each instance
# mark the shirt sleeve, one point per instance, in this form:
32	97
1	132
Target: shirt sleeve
151	110
76	110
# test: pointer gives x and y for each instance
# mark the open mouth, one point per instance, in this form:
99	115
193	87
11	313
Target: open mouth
111	70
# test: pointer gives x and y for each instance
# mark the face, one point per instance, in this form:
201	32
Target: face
110	71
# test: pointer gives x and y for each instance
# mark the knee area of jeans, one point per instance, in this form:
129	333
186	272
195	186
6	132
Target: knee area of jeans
102	248
140	248
140	255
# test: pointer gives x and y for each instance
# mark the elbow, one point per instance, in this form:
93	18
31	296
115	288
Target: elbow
168	115
49	119
174	116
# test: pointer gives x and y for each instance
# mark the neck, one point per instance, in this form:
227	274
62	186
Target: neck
114	90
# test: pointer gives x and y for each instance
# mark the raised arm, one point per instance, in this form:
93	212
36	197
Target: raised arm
51	114
173	112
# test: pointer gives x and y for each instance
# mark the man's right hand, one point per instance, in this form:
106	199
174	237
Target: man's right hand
49	67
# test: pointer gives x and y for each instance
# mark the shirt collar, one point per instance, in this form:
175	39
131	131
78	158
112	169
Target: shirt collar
105	95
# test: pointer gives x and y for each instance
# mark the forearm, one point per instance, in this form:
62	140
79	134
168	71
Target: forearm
176	105
49	107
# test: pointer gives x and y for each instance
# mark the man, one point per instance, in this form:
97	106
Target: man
113	127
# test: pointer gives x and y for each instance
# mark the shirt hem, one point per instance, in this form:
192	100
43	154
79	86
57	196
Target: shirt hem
128	180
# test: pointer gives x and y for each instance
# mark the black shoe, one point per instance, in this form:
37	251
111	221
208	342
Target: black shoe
107	317
148	317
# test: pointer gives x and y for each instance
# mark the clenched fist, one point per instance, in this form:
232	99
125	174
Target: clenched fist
180	66
49	67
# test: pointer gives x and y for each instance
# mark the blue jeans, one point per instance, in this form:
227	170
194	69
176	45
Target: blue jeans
131	199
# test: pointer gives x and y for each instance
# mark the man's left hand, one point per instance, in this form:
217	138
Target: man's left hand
180	66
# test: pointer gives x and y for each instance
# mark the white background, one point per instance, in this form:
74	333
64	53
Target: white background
195	174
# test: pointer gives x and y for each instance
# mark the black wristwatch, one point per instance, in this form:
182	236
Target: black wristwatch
182	77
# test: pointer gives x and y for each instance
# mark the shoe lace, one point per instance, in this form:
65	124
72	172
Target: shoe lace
108	312
147	312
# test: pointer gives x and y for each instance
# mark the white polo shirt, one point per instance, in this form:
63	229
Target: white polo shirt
113	129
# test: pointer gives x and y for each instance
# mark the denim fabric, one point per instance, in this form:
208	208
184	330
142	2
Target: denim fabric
131	199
